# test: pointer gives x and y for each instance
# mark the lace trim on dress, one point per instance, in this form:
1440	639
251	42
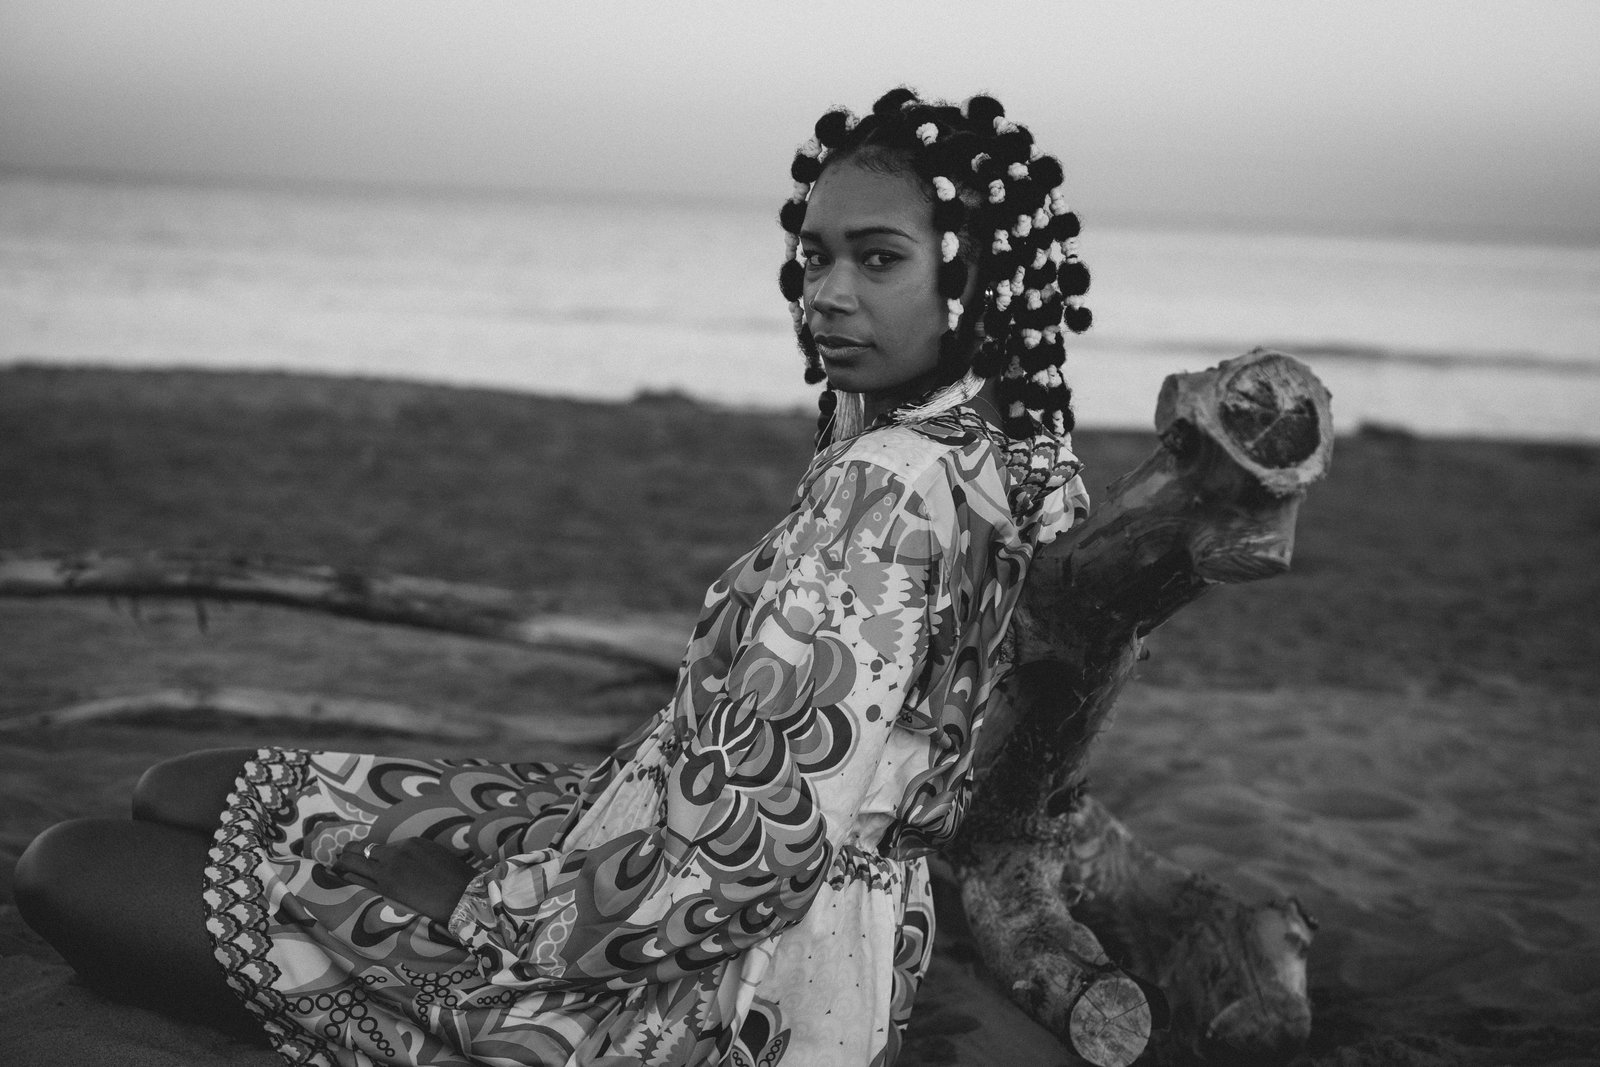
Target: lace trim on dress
236	914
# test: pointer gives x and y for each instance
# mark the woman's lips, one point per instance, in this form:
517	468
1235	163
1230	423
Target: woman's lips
840	349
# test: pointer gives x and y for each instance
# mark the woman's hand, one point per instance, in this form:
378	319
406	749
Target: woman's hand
414	872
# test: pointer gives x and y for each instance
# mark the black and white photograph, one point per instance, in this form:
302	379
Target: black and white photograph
824	534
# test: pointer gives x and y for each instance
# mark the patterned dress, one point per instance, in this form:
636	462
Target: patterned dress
742	881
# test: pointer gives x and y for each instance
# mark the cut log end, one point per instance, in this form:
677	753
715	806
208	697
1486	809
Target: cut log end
1264	409
1110	1024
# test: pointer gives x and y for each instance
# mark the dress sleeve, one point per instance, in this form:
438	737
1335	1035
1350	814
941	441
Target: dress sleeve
765	768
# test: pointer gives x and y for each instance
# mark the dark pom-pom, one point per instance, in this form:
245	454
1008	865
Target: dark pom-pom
1038	318
1039	277
949	214
1021	196
805	168
1013	147
990	360
1073	278
815	375
1064	227
1079	319
996	322
792	215
991	170
954	153
891	101
1046	170
1036	359
792	279
1035	395
1055	353
983	110
1019	427
952	279
827	401
832	128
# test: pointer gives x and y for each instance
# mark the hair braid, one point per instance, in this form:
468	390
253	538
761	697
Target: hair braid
1001	212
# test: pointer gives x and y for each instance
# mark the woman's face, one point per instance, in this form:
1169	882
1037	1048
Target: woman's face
872	283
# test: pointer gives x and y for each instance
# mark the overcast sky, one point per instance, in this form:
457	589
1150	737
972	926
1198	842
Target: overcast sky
1467	117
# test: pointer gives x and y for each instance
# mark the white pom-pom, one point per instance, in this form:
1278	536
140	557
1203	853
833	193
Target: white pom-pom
1002	300
1018	171
796	315
1016	410
1058	202
949	245
1037	414
953	319
997	192
791	246
798	193
1001	242
812	148
978	161
944	188
1004	125
1041	218
1023	227
1057	256
1051	333
1041	378
1033	299
1058	424
1040	258
1031	338
927	133
1017	279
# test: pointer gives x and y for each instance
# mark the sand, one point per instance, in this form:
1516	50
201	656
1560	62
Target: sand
1401	733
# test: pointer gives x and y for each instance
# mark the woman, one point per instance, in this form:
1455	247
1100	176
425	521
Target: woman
742	880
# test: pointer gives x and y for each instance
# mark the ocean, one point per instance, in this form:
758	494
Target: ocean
607	299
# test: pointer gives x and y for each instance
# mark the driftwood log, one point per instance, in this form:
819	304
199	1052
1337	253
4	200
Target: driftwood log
1095	936
1052	884
652	644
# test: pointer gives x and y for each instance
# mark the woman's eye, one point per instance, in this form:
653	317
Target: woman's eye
812	260
880	259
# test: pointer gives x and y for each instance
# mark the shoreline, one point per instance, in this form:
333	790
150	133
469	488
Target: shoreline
672	395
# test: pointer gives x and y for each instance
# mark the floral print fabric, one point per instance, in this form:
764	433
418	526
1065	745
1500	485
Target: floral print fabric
741	881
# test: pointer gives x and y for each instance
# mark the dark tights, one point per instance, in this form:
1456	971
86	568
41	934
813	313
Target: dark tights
120	900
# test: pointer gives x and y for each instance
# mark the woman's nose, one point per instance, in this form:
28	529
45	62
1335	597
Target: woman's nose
835	292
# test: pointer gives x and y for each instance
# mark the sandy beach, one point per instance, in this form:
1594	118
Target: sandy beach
1401	732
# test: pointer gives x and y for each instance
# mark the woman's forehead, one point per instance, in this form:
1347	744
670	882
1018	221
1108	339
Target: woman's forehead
848	199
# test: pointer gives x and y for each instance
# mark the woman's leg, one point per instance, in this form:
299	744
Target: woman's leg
121	901
187	792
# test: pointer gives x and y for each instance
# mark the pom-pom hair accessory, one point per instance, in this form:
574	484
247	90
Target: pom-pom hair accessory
1001	213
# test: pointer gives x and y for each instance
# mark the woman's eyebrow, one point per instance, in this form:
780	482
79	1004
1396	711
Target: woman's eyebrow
862	231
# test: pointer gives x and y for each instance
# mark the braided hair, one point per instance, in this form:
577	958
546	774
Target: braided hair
999	208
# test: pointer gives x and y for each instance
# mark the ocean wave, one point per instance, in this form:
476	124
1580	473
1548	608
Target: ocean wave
1352	352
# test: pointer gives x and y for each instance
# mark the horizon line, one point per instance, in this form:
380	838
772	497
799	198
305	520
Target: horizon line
1397	228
